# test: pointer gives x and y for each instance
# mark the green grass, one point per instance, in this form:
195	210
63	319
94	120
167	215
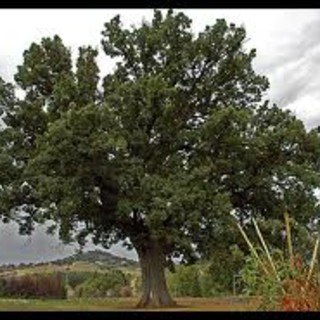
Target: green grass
124	304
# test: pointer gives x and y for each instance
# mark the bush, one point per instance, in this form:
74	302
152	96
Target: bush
2	287
137	285
283	283
209	286
125	292
210	278
294	292
257	283
217	275
109	284
184	282
76	278
35	286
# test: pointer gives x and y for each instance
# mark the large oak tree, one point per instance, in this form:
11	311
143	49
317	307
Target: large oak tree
177	137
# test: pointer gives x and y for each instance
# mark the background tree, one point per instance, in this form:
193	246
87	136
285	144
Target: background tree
185	282
177	140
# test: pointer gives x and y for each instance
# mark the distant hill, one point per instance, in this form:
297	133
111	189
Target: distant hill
96	256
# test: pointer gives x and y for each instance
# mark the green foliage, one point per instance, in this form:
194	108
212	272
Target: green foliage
209	278
137	285
217	274
75	278
103	284
292	289
258	283
185	281
2	287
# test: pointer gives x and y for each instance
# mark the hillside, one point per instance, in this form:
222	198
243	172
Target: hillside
91	259
96	256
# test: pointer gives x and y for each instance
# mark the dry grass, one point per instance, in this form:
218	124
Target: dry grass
78	266
127	304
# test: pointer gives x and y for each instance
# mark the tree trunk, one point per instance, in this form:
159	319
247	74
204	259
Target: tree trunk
154	287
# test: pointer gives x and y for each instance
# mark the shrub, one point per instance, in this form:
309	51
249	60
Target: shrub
217	274
282	283
257	283
301	294
2	287
35	286
137	285
75	278
107	284
125	292
184	282
209	286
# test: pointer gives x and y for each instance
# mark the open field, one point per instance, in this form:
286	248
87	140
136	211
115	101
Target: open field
78	266
126	304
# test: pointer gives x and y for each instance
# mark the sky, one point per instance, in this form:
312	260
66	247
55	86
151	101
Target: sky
288	53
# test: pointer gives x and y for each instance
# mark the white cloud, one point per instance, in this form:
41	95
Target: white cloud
286	41
41	247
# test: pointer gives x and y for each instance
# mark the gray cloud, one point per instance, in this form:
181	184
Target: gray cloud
297	78
303	40
39	246
291	61
313	122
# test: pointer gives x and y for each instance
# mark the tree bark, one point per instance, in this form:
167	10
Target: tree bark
154	287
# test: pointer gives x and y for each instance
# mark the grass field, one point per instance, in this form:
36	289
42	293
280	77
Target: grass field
127	304
110	304
78	266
